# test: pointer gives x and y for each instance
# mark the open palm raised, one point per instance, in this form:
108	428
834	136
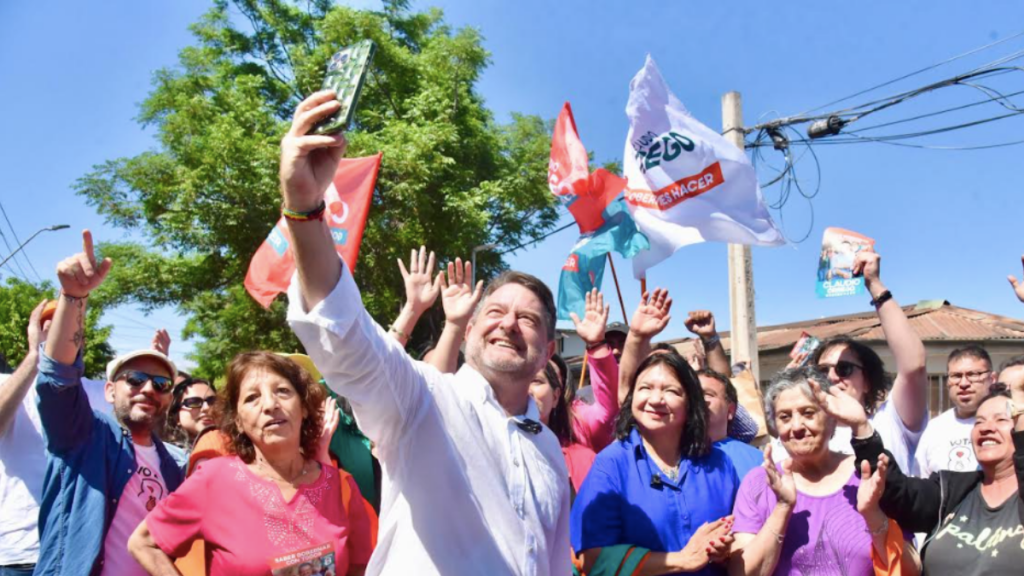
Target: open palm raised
595	319
652	315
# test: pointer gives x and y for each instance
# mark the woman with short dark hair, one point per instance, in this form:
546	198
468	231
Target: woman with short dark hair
661	488
269	501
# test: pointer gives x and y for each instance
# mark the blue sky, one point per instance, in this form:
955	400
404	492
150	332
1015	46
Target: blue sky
947	223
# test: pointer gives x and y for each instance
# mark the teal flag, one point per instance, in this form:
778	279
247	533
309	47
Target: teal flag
584	268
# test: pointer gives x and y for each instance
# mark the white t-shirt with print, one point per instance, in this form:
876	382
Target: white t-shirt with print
897	438
142	493
946	445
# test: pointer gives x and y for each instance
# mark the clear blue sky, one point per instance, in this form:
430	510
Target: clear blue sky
948	224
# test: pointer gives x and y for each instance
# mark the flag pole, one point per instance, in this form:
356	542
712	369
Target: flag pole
615	277
583	372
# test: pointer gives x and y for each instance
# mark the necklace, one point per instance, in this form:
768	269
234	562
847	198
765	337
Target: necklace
275	476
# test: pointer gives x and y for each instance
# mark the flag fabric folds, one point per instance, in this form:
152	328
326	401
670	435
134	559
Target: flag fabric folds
605	224
348	205
584	268
686	183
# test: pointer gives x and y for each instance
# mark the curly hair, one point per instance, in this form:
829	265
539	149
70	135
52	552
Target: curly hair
879	382
310	393
694	441
799	378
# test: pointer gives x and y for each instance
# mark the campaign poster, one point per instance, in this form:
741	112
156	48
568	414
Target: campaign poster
313	561
835	263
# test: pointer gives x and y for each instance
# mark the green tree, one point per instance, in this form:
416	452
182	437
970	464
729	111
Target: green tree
452	176
18	298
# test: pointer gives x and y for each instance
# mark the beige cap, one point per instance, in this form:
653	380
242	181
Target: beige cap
115	365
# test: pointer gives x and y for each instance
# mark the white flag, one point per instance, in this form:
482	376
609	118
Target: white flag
686	183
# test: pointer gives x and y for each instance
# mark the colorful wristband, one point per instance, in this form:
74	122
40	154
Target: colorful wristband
315	214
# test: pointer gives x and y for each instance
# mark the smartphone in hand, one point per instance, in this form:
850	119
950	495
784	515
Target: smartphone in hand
346	73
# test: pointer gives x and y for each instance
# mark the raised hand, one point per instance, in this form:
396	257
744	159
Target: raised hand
869	493
843	407
701	323
161	342
36	331
81	274
308	162
652	315
458	297
868	263
420	290
595	319
1018	287
783	485
331	419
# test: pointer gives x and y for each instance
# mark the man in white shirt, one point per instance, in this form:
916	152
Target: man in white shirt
472	483
946	444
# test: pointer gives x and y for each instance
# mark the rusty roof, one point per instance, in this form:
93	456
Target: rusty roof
932	320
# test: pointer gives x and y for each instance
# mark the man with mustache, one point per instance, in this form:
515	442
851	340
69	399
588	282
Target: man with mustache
104	474
472	482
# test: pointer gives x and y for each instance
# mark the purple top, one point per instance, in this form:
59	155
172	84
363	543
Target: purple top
826	536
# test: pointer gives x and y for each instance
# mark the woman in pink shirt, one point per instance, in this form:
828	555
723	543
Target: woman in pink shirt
270	507
582	429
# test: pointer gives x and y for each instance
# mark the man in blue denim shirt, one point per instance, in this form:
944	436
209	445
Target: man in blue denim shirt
103	474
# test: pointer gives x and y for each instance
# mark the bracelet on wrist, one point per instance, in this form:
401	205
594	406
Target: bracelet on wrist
71	298
398	332
882	299
314	214
711	342
592	347
880	530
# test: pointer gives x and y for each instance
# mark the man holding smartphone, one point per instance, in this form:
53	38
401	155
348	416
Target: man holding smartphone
473	484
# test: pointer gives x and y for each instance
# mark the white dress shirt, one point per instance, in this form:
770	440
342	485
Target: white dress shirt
464	489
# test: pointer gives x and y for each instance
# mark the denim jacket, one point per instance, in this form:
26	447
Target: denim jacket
90	458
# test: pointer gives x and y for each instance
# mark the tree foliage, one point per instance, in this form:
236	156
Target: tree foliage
17	299
452	176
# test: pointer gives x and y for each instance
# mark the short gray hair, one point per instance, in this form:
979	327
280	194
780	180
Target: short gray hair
792	378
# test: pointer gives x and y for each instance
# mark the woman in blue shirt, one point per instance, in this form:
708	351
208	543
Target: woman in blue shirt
661	487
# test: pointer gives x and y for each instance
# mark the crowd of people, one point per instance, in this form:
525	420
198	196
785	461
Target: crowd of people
480	456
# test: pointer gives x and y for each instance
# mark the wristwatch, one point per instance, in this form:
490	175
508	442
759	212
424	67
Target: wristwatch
882	299
710	342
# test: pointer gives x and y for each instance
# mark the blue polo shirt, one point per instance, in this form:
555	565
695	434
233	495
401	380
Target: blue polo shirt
744	456
626	499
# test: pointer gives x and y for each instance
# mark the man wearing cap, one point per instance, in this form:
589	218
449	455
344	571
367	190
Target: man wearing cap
104	473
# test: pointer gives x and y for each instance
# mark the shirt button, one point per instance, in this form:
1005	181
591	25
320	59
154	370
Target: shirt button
515	461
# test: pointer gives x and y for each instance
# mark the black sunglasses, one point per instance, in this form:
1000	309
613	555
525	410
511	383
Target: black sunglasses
197	402
843	368
138	379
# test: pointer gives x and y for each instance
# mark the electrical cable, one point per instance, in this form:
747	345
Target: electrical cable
18	241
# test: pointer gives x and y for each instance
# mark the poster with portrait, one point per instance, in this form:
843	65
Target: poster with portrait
313	561
839	248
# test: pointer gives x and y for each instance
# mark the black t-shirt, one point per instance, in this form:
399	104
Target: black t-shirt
977	540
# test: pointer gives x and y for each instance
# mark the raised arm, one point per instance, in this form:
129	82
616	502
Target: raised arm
1018	287
308	164
702	323
386	388
650	318
910	390
597	420
63	405
420	293
14	388
459	299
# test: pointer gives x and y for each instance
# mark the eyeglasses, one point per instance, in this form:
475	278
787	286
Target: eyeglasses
138	379
843	368
973	376
197	402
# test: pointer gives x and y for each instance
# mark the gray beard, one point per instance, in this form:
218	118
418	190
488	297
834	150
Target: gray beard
138	425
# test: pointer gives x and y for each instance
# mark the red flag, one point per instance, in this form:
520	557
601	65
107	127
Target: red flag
586	195
348	204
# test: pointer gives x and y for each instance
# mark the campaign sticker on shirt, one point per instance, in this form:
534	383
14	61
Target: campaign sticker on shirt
315	561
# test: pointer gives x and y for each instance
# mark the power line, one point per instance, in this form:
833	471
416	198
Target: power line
18	241
10	250
914	73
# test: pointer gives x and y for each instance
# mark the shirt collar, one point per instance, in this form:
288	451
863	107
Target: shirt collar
648	469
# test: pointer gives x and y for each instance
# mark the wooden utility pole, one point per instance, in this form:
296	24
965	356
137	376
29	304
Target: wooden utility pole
743	336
